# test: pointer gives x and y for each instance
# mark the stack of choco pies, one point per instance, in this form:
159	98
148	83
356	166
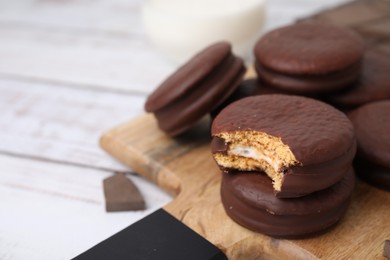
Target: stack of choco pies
285	155
286	163
329	63
287	159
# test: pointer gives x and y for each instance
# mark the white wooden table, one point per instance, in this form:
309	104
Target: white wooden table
70	70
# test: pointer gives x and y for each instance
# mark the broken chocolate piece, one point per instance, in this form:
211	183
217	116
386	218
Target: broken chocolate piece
121	194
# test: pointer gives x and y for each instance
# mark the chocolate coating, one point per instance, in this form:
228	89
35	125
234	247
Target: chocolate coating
197	88
253	87
304	84
373	84
188	75
179	116
372	127
309	49
249	200
315	132
302	180
299	181
309	57
376	175
246	88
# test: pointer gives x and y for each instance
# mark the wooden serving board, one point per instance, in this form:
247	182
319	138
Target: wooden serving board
184	167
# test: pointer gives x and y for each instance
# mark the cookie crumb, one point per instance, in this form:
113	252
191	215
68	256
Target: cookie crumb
252	150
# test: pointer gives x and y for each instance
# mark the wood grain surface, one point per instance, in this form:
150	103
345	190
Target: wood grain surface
184	167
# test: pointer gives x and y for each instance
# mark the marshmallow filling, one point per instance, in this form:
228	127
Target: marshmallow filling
256	151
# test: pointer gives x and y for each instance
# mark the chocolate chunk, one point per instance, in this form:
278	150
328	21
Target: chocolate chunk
121	194
386	249
218	145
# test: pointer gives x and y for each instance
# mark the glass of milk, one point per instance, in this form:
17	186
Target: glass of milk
181	28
